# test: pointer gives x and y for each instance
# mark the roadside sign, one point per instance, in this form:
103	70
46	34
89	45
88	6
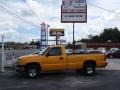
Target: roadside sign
43	36
74	11
74	17
56	32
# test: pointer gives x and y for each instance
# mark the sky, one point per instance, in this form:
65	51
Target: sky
49	11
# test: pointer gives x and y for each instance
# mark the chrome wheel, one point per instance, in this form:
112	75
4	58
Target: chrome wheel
89	69
32	71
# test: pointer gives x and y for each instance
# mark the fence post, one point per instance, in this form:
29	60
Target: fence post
3	56
13	58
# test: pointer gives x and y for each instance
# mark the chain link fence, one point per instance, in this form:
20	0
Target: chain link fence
10	56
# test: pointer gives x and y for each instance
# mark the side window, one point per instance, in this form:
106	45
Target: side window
56	51
117	52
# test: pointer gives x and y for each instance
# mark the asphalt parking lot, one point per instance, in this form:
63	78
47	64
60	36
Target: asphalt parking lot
104	79
66	80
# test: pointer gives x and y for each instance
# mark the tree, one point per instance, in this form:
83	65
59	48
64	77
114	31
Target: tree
37	43
69	45
112	34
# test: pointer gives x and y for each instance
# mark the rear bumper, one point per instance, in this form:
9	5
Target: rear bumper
103	65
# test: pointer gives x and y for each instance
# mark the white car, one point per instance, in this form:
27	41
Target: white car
102	50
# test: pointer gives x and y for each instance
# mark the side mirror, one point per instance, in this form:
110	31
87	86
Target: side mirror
47	55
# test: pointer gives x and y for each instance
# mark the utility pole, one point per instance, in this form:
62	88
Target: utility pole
3	58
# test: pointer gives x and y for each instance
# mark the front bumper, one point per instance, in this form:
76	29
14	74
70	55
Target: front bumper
19	68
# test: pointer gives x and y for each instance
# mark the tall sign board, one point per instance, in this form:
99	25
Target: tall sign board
43	36
74	11
57	32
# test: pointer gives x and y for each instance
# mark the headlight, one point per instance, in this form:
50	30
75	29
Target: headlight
17	61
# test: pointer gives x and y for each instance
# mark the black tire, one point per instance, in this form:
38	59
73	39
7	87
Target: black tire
78	70
32	71
89	69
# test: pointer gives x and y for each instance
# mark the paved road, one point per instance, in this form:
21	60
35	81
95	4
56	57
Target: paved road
67	80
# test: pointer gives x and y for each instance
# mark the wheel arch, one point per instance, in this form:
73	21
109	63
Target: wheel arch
89	62
33	64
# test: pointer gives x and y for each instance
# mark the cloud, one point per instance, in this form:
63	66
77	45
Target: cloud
48	11
6	25
13	35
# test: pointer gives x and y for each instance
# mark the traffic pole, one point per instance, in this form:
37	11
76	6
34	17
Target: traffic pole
3	56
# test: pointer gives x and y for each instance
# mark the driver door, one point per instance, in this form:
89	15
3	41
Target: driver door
54	60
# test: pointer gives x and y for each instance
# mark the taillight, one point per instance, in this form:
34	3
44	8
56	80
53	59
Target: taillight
105	57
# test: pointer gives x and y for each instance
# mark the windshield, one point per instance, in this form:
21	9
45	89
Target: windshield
44	51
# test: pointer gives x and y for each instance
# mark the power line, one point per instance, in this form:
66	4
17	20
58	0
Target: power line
16	16
31	10
104	9
9	13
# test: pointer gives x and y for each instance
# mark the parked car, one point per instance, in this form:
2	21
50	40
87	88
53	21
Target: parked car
111	50
94	51
102	49
69	51
79	51
113	54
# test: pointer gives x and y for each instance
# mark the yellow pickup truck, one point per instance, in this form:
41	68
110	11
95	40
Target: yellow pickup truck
54	58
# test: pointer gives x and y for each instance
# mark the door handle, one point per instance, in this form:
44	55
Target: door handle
61	58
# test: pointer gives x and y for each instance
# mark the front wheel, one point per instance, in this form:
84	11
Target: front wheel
89	69
32	71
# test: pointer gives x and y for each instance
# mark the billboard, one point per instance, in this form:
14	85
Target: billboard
43	36
56	32
74	11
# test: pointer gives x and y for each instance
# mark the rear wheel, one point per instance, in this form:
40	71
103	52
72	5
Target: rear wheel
89	69
32	71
